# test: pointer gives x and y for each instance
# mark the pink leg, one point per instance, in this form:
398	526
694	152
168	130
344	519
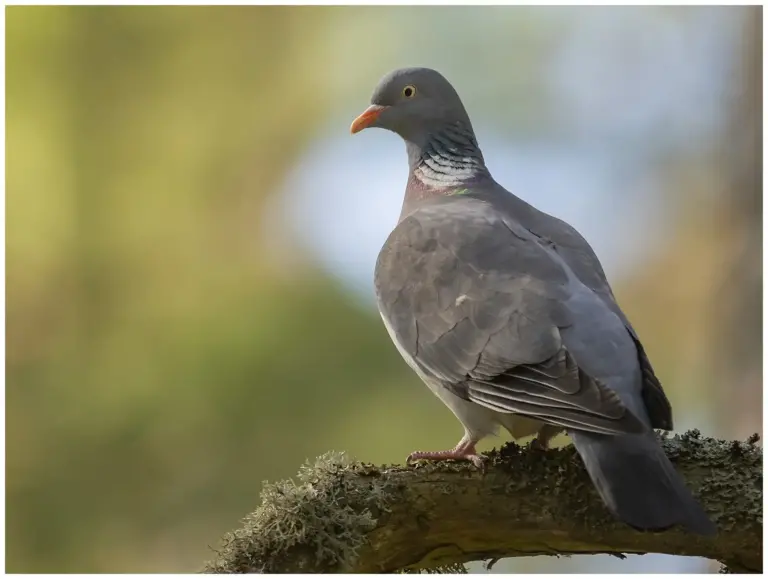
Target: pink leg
465	450
546	433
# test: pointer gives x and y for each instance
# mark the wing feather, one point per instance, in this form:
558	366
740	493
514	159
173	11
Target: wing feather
477	303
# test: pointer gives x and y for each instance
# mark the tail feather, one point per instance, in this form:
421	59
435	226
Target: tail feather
638	483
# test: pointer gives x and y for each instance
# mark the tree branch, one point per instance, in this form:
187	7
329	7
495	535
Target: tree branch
343	516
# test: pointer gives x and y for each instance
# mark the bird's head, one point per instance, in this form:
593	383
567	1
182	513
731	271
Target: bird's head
412	102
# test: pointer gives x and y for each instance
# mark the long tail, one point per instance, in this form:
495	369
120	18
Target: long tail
638	483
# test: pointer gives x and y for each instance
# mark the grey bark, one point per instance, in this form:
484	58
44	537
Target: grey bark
342	516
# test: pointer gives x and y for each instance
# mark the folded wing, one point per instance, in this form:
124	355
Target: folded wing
478	304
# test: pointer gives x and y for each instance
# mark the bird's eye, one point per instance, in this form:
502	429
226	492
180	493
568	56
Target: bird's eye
409	91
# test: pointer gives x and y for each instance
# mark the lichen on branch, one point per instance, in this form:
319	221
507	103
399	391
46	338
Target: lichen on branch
345	516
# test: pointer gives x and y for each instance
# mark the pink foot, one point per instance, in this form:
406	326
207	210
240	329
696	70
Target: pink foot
546	433
463	451
539	445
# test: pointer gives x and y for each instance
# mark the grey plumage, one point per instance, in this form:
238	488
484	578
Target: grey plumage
506	314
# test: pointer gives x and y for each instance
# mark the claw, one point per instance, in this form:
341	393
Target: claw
463	451
544	436
539	445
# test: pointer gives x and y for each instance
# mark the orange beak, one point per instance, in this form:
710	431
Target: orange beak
368	117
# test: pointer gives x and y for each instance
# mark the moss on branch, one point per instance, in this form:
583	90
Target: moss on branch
344	516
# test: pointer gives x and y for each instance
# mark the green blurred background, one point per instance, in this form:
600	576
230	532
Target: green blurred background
189	310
